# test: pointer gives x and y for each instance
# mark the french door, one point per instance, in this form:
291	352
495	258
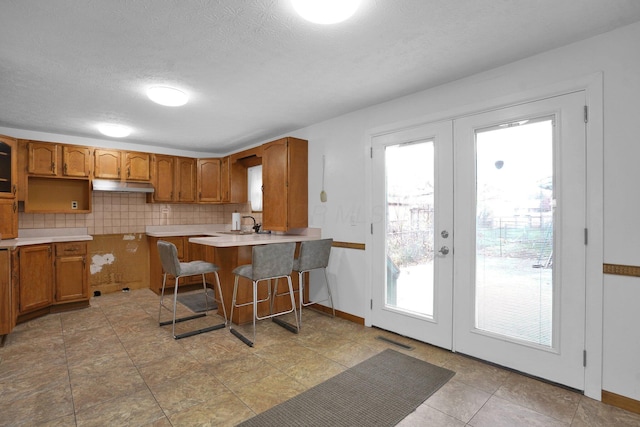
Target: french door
478	236
413	220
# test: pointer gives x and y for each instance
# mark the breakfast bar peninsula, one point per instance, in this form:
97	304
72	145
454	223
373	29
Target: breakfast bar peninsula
229	250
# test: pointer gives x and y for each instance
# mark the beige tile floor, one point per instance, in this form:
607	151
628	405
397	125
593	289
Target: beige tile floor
111	365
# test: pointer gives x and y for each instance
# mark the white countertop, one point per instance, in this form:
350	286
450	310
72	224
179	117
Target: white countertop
46	235
185	230
233	240
219	235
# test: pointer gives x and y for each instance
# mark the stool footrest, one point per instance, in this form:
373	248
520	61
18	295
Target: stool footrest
242	338
285	325
199	331
182	319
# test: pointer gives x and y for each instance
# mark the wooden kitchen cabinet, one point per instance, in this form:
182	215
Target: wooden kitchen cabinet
61	160
164	171
137	166
213	180
46	278
225	180
186	179
8	300
35	265
8	218
122	165
53	177
71	278
43	158
107	164
208	179
174	179
284	179
76	161
8	187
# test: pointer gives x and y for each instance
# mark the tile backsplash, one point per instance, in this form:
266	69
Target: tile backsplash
117	213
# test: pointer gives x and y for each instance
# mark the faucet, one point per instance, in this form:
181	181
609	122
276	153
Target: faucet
256	226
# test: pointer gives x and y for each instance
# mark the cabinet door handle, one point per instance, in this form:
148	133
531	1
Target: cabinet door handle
128	172
15	207
15	189
65	168
53	166
118	172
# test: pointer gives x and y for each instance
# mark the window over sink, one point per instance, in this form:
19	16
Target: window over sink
254	180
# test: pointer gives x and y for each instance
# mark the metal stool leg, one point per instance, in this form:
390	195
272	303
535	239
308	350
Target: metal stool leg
234	305
206	296
221	301
326	278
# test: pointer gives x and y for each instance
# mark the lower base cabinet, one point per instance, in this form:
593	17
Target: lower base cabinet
71	272
35	277
47	278
8	297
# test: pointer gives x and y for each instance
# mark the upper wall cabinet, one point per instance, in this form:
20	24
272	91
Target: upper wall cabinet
186	179
43	158
51	159
163	178
107	164
284	179
122	165
8	188
76	161
225	180
137	166
174	179
213	180
8	167
54	178
208	180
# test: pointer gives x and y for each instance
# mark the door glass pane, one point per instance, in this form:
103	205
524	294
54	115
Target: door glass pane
409	227
515	230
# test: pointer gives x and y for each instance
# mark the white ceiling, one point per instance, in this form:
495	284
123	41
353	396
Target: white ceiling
254	69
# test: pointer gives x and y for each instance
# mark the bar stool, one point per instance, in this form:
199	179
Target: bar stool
314	254
172	265
270	261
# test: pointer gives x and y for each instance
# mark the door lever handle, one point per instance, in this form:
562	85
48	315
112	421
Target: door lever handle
444	250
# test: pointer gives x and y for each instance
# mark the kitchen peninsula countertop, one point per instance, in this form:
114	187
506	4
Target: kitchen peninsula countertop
219	235
38	236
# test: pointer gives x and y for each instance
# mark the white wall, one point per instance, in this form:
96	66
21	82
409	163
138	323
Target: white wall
344	141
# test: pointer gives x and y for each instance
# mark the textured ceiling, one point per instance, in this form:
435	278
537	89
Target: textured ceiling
254	69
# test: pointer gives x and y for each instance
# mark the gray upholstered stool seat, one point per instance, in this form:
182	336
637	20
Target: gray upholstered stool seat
171	265
271	261
314	254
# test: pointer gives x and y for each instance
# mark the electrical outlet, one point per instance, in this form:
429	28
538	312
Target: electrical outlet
74	204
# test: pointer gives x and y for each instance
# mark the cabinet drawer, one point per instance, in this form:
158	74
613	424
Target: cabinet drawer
71	248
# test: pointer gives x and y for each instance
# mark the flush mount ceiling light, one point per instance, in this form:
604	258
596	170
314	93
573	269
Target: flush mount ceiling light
168	96
325	11
113	130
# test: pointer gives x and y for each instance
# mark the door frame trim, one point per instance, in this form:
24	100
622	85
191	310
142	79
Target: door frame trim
592	84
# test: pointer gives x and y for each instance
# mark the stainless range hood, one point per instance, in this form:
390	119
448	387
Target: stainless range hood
122	186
